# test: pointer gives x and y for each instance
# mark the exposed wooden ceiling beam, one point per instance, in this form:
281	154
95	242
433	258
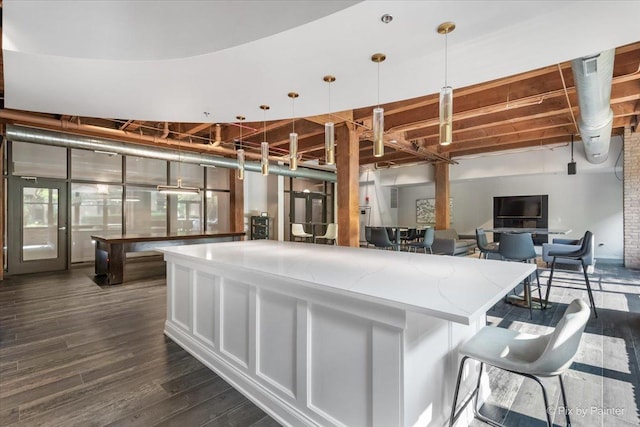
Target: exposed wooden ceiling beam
192	130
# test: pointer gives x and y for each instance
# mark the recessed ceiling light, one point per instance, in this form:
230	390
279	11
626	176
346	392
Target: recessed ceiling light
386	18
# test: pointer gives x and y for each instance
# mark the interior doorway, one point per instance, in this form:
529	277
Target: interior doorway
37	239
310	210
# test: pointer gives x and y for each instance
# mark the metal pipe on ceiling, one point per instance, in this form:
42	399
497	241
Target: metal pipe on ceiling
48	137
593	76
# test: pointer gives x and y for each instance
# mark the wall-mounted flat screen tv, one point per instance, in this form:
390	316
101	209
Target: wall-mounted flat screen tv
518	206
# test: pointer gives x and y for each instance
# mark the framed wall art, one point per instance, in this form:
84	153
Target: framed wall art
426	211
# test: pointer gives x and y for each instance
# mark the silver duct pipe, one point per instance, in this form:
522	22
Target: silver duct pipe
67	140
592	76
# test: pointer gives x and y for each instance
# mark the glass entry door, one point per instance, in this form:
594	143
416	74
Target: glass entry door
38	235
310	210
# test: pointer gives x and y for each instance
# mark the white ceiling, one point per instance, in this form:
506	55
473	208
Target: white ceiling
173	61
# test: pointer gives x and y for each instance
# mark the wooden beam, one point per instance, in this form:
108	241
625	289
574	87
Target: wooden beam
443	192
347	165
336	118
193	130
540	135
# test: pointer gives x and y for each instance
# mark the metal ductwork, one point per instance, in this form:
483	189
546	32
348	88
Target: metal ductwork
48	137
592	76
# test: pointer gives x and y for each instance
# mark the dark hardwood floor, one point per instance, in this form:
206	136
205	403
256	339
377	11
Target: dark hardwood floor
73	353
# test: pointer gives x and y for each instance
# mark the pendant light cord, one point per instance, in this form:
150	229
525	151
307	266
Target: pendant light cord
571	148
378	83
445	58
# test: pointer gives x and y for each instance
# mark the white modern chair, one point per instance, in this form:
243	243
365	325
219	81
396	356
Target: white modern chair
330	234
297	231
528	355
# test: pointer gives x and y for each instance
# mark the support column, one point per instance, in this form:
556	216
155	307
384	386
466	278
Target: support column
443	214
631	196
236	203
348	168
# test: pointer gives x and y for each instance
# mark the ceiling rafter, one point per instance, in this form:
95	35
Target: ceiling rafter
518	112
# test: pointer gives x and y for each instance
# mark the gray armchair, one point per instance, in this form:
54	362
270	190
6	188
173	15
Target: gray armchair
569	245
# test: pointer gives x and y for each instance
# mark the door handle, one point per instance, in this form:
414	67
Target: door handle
62	228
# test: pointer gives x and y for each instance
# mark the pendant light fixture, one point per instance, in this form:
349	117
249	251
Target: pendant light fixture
329	130
446	93
178	189
293	136
240	151
378	114
264	146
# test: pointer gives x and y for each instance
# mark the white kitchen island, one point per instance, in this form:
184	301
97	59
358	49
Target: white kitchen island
329	335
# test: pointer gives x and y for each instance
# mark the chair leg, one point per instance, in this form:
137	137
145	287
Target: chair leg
527	283
540	291
553	266
472	397
586	279
564	401
544	396
454	417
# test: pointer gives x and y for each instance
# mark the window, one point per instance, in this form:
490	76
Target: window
218	205
44	161
186	213
145	211
96	209
141	170
93	166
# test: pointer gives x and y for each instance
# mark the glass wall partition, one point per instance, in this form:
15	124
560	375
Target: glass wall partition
91	166
36	160
145	211
108	194
218	203
185	213
141	170
96	209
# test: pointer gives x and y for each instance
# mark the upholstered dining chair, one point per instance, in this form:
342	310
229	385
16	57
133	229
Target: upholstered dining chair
580	254
297	231
519	247
380	239
425	243
531	356
486	248
409	236
330	234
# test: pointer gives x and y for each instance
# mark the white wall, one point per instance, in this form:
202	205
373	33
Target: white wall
591	199
378	197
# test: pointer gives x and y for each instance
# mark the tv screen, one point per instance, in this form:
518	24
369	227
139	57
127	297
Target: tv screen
519	207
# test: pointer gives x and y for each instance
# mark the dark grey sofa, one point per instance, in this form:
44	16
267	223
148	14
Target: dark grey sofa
448	242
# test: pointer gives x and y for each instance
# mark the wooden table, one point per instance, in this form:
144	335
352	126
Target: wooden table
111	251
321	335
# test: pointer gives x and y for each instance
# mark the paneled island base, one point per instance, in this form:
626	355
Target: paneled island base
319	335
